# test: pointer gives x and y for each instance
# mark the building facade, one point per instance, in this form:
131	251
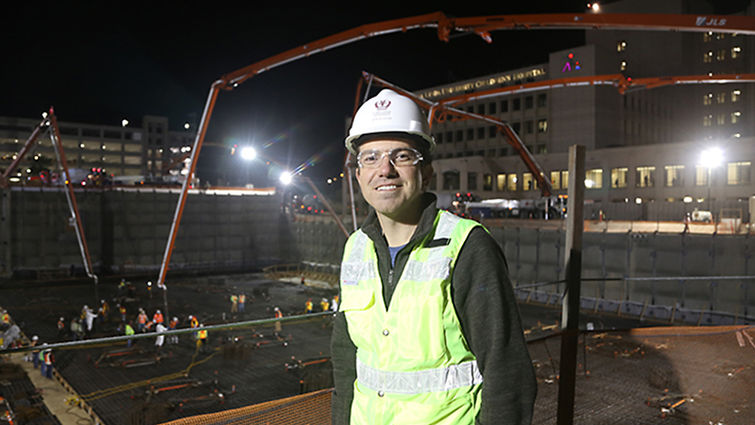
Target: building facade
148	151
642	146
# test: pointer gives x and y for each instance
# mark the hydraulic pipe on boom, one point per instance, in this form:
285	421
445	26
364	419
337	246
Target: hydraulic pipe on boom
71	198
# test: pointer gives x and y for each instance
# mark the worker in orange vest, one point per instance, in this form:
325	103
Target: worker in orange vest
61	327
242	301
278	315
173	325
157	317
141	320
193	321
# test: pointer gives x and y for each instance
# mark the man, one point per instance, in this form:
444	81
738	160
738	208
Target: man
428	329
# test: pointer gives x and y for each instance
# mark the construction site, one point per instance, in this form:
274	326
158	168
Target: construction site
132	305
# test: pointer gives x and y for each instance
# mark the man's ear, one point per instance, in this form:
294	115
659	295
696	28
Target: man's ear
427	175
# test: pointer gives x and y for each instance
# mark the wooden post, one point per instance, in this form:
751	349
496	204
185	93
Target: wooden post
570	306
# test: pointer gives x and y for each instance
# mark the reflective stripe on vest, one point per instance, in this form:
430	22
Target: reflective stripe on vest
421	381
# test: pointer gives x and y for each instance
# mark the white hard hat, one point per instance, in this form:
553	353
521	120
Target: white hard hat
389	112
176	318
35	338
61	318
158	311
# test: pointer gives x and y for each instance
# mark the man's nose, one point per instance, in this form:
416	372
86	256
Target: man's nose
385	165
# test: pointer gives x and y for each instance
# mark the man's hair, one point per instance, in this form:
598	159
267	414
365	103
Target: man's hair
417	142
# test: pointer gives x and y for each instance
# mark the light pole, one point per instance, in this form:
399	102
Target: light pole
710	158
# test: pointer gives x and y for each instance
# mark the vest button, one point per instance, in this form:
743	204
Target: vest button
386	332
380	393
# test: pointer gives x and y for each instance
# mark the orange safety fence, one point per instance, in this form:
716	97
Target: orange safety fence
305	409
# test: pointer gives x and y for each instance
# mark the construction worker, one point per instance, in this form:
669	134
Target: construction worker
201	338
157	317
121	285
122	311
129	330
308	306
173	325
334	303
278	314
34	355
89	317
193	323
324	304
45	361
160	340
61	327
428	330
104	310
234	303
77	330
141	320
242	302
4	317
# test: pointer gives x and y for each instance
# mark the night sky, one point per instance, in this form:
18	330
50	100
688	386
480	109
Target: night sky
103	62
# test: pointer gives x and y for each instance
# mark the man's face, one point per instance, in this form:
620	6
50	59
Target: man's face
393	191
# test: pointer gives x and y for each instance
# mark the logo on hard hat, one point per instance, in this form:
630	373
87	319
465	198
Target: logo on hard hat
382	104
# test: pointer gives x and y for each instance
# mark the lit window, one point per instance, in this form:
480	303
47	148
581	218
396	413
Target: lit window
556	179
721	119
720	97
529	182
735	52
674	175
487	182
623	66
708	99
594	178
708	36
542	126
621	46
720	55
735	94
708	120
500	182
619	177
720	36
511	185
708	57
735	117
565	179
738	173
644	176
701	175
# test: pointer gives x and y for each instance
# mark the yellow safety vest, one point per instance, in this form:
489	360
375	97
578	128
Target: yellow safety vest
414	365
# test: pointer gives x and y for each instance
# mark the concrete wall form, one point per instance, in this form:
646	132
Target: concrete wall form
127	231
